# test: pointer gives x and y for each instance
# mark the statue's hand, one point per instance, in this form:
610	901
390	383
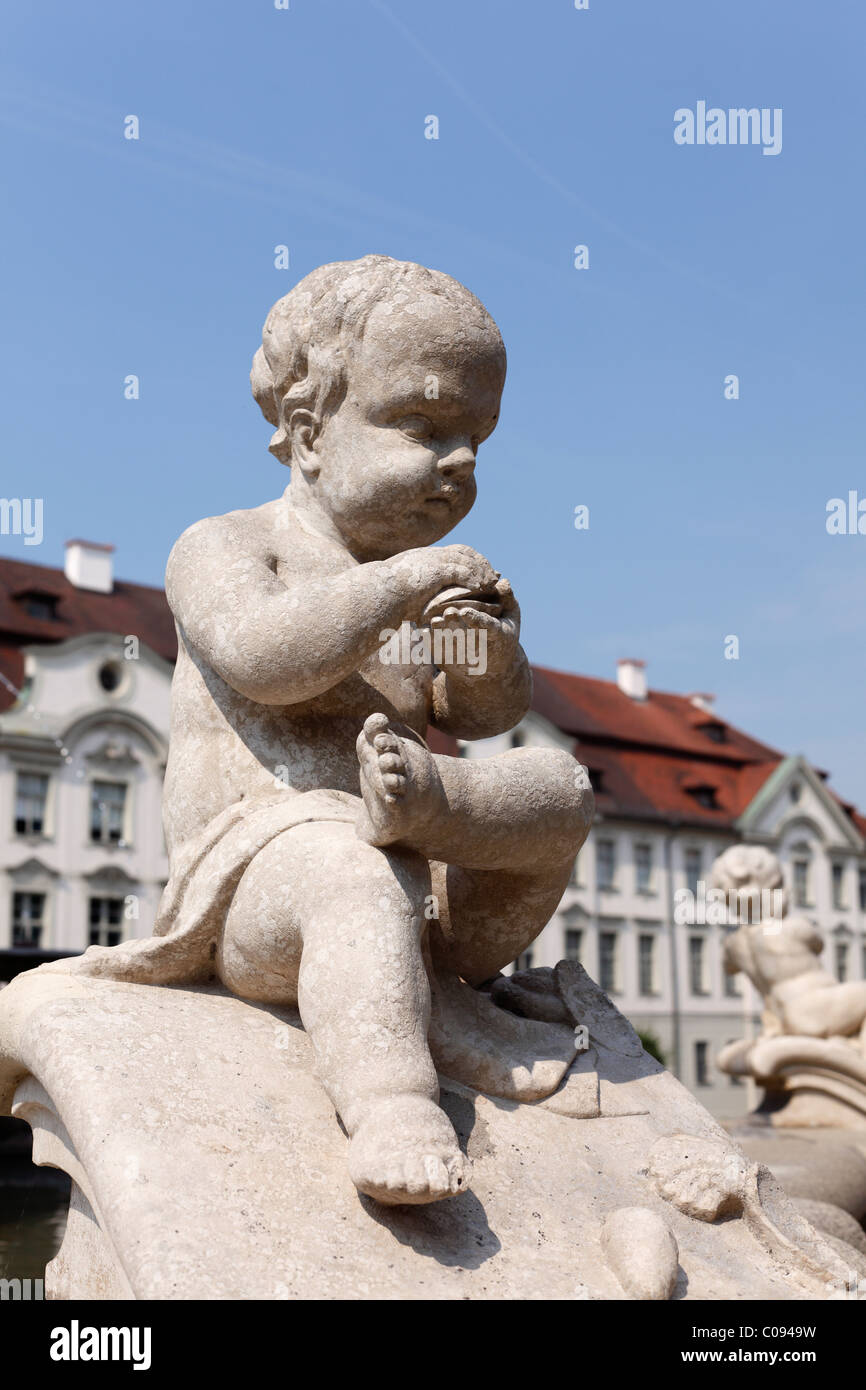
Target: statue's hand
502	644
430	570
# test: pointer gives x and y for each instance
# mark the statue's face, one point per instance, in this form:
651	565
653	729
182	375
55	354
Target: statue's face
397	460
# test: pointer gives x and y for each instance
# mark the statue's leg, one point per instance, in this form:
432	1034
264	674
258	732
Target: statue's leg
838	1009
490	917
508	828
322	915
525	811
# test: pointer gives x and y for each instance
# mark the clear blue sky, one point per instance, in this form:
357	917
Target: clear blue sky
306	127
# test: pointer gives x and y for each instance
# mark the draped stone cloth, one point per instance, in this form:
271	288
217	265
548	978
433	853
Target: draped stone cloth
472	1040
205	874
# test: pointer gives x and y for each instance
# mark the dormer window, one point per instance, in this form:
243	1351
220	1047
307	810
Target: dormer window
37	604
705	796
715	732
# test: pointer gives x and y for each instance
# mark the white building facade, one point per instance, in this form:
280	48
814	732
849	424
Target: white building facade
83	745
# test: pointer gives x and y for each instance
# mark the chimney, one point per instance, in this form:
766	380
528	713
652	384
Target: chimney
631	678
701	700
89	565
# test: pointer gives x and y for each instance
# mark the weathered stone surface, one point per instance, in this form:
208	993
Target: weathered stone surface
642	1253
211	1165
832	1221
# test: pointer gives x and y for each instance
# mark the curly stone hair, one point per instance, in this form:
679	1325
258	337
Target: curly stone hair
746	869
309	334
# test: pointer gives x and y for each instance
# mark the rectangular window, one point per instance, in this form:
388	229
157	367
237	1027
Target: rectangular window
801	882
605	862
643	867
838	885
646	963
106	917
702	1070
607	953
694	867
841	961
862	887
31	795
697	965
107	808
28	918
573	943
524	962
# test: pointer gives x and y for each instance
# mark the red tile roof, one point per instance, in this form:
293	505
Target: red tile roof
653	759
131	609
649	785
595	709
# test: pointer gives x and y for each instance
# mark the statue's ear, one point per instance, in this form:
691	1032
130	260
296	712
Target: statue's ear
303	431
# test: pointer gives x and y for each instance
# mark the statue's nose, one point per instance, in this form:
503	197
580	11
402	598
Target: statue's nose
459	463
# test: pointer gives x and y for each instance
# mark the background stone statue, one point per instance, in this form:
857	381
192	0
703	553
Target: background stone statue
803	1004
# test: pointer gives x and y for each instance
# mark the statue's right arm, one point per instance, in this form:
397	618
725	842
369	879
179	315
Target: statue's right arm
275	644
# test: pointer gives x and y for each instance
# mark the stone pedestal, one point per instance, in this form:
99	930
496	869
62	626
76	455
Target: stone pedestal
208	1163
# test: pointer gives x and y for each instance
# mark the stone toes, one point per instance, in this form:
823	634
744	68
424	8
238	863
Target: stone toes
421	1174
416	1177
391	762
386	743
395	1179
375	724
394	783
434	1171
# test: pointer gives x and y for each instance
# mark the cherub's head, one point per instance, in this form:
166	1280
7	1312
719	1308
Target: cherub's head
745	872
382	378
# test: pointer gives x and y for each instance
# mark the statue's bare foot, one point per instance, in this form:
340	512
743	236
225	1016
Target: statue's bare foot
406	1152
399	784
532	994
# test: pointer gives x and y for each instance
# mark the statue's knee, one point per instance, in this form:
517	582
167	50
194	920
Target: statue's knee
807	1020
382	869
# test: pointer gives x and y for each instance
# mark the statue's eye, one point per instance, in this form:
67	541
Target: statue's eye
417	427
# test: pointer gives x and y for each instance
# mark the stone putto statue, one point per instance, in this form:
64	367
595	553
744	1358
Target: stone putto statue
318	847
813	1037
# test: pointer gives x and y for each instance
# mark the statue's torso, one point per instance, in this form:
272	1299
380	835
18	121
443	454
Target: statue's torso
225	747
